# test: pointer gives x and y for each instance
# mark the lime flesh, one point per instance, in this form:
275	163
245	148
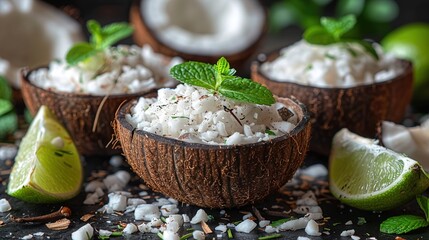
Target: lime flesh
370	177
47	167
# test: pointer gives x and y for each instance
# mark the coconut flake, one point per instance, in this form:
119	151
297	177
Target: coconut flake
104	233
347	233
4	205
200	216
83	233
312	228
169	235
130	229
221	228
117	202
316	170
198	235
146	212
246	226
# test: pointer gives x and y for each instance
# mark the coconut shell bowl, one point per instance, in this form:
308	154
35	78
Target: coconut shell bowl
88	118
145	34
360	108
215	176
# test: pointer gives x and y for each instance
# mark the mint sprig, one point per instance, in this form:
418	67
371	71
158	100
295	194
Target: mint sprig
407	223
220	79
332	31
101	38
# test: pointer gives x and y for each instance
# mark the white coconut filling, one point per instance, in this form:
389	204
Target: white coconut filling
204	27
51	32
331	66
194	114
117	70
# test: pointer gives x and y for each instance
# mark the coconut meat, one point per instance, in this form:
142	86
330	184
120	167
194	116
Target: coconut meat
331	65
33	33
204	27
412	141
194	114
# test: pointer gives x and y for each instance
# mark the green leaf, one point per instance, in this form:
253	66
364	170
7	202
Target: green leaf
367	46
5	89
338	27
95	29
272	236
115	32
345	7
318	35
280	222
8	123
424	205
246	90
5	106
402	224
222	66
381	10
195	73
80	52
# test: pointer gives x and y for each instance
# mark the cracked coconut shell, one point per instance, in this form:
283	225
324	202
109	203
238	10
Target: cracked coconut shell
215	176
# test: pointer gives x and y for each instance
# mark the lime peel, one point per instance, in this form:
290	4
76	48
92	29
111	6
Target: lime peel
45	172
370	177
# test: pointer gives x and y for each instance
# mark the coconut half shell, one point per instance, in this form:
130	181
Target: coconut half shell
143	34
215	176
78	113
360	108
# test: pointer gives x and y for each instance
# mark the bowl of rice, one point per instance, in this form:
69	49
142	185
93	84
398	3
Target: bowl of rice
342	87
85	97
207	150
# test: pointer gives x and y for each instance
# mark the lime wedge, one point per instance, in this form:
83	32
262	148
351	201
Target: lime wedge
47	167
370	177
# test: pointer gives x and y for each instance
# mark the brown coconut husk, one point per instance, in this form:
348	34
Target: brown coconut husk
144	35
215	176
91	131
358	108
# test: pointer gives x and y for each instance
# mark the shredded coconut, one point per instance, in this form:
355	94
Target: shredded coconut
118	70
331	66
194	114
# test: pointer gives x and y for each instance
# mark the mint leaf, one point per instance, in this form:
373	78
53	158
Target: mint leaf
195	73
101	38
115	32
80	52
319	36
424	205
222	66
402	224
368	47
338	27
246	90
95	29
5	89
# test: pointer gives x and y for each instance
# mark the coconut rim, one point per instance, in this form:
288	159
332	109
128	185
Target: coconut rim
125	109
136	6
25	73
271	56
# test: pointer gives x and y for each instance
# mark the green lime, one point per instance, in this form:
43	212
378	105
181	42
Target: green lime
371	177
47	167
410	42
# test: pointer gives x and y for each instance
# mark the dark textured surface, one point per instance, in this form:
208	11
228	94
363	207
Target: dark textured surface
336	213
